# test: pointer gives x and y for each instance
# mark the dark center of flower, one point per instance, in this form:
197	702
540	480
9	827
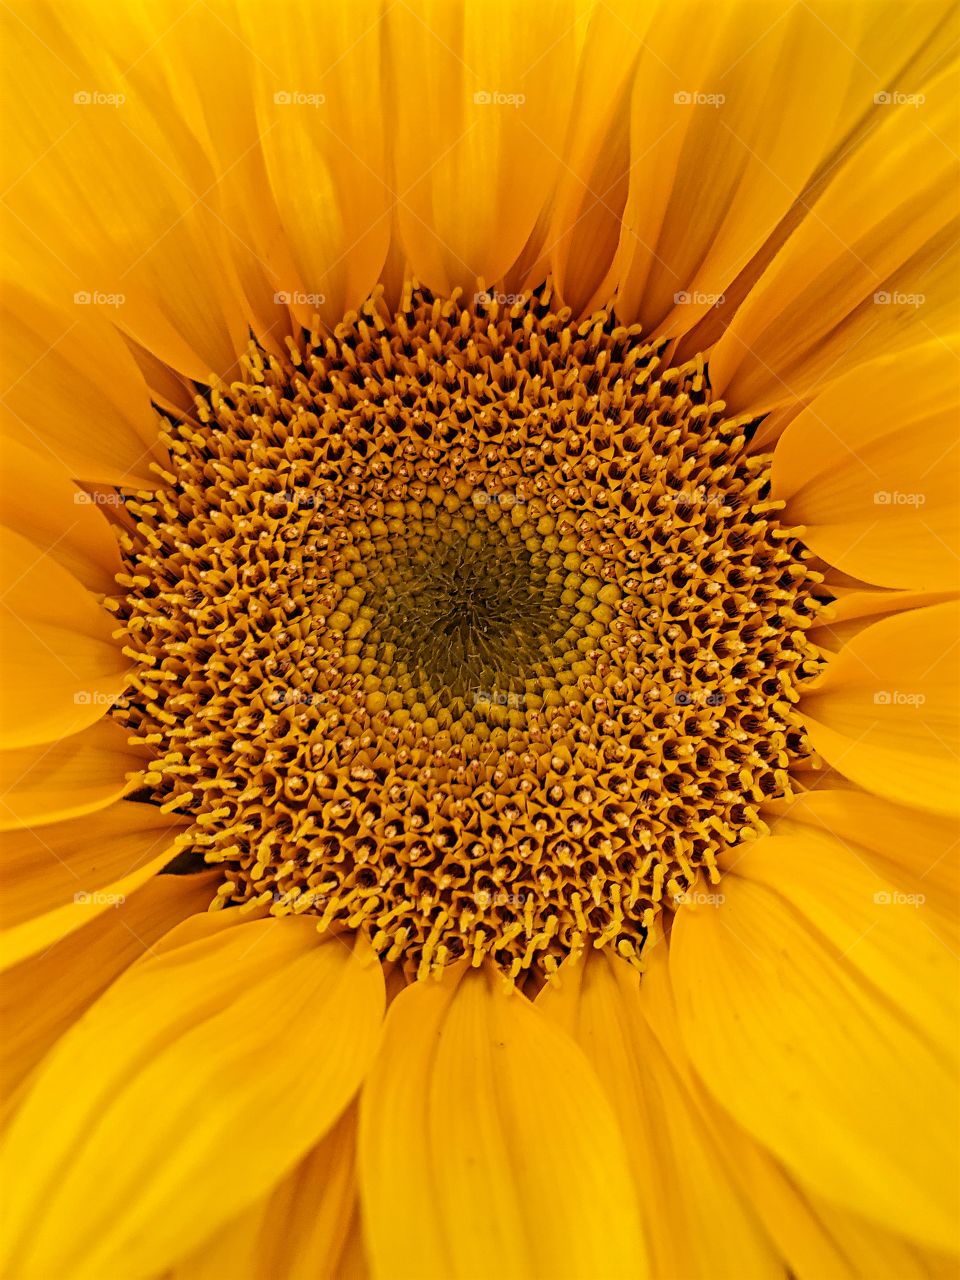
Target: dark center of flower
469	628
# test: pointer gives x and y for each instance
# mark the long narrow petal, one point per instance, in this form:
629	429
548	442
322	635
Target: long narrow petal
73	393
57	877
58	518
300	1230
486	1144
173	1069
318	111
853	610
815	1063
478	144
880	934
59	641
915	851
697	1221
884	711
68	778
110	188
869	469
869	271
726	138
73	972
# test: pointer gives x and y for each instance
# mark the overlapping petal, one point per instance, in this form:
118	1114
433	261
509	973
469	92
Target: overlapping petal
59	640
188	1056
884	712
805	1052
485	1134
869	470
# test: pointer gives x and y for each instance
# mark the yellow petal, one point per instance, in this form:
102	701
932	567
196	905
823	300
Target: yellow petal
115	180
880	933
853	610
581	233
58	877
869	470
696	1220
68	778
869	269
58	640
300	1230
58	518
808	1058
74	971
318	111
913	851
74	394
880	1254
725	138
478	144
208	1072
486	1144
883	712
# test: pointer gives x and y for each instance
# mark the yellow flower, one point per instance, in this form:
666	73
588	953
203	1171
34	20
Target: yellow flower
480	595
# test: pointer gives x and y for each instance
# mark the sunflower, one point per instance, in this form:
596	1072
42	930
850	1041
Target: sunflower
480	590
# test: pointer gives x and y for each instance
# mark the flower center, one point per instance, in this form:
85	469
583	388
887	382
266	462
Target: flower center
467	627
